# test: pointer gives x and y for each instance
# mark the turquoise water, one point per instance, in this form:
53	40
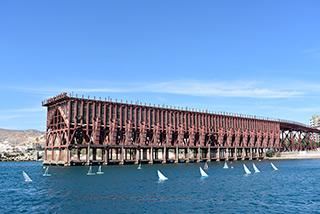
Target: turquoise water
124	189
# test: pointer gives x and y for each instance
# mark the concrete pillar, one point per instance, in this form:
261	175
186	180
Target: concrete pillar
250	155
177	155
188	155
94	154
59	156
218	154
137	159
243	153
264	154
235	155
68	157
103	155
52	156
151	155
164	159
78	154
209	154
226	154
106	156
198	154
122	156
88	156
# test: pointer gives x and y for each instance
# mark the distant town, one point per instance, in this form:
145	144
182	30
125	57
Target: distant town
24	145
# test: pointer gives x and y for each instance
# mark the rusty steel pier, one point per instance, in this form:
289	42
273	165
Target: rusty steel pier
94	131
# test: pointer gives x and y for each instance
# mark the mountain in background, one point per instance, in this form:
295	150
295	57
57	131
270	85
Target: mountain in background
21	139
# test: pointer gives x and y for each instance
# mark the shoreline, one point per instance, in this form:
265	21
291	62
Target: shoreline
4	161
296	155
291	158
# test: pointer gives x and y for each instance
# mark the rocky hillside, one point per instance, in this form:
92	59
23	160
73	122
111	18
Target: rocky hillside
20	139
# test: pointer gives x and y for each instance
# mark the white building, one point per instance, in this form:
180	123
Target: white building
315	121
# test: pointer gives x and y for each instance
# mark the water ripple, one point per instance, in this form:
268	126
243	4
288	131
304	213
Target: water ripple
292	189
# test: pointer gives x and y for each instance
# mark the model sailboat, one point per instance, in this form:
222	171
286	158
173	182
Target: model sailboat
139	167
206	167
246	170
100	171
256	170
26	177
90	171
161	176
46	172
274	167
203	173
225	165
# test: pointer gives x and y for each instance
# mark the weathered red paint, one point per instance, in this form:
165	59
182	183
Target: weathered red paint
136	131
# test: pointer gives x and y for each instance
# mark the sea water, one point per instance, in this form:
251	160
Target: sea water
124	189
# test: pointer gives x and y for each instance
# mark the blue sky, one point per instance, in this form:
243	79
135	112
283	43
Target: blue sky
251	57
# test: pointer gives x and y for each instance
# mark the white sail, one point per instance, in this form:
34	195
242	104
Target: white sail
161	176
90	171
247	171
203	173
225	165
100	171
274	167
26	177
46	172
256	170
139	167
206	167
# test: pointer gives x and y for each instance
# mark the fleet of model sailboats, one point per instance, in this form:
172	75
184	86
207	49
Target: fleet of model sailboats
161	176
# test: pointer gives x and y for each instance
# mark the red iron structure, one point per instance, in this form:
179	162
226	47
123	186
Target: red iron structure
89	131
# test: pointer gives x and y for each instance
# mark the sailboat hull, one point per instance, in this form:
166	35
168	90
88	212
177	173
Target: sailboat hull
91	173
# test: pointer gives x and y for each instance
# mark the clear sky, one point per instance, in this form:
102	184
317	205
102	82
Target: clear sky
251	57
